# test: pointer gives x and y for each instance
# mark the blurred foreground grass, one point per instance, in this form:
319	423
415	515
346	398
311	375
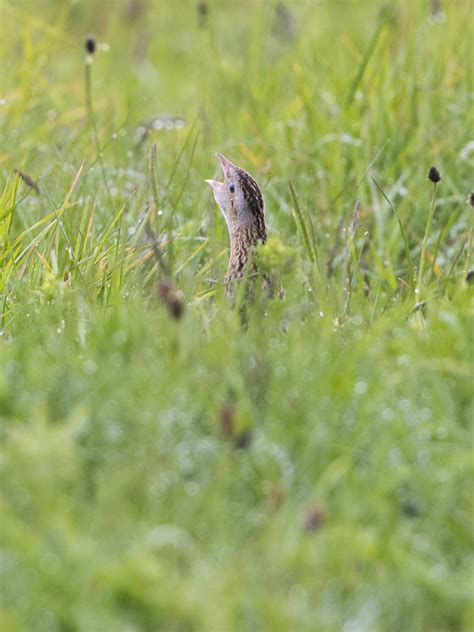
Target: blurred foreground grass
312	471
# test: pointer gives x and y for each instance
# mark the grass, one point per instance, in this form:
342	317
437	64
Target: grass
312	471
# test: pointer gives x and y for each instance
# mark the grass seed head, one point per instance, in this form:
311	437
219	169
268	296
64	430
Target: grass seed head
313	518
275	497
203	12
434	175
28	180
243	440
171	299
90	44
227	420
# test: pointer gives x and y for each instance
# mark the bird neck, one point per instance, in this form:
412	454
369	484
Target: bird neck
242	240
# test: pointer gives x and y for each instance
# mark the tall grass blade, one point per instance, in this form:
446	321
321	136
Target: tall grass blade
302	225
386	14
411	268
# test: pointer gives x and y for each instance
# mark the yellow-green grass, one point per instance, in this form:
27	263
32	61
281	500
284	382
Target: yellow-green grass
311	467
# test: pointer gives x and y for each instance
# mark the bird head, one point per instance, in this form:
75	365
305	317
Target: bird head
240	199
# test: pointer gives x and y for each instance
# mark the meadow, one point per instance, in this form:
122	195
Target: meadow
166	464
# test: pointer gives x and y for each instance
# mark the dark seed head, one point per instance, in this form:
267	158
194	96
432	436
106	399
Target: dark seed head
226	420
470	199
410	509
202	11
27	180
314	518
202	8
243	440
90	44
276	497
470	277
176	308
420	307
434	175
171	299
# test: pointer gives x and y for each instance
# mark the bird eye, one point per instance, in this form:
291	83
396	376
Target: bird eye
232	188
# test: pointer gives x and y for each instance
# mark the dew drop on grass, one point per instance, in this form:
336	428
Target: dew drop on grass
395	456
90	367
191	488
426	414
361	388
467	150
284	326
423	457
404	405
113	432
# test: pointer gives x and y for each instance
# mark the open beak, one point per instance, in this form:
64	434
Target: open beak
225	164
214	184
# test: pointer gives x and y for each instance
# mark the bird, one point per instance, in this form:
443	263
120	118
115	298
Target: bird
241	202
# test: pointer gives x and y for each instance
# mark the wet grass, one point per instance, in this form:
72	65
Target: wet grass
162	466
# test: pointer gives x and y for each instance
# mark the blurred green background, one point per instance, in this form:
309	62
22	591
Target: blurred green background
310	469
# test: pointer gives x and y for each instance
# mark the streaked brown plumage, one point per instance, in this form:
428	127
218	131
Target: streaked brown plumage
242	205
